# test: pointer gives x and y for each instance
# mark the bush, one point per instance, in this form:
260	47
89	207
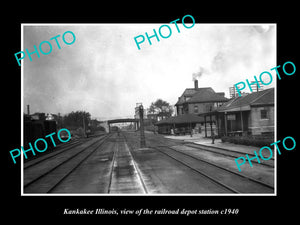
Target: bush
258	141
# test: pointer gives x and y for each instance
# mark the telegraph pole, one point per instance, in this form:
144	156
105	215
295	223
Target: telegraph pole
142	132
84	132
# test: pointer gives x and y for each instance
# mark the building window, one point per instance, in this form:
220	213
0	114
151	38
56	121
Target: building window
195	109
263	114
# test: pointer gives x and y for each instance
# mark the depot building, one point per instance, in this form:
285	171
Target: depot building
190	105
202	110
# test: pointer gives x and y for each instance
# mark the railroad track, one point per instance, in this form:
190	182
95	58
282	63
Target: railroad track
125	176
50	155
229	180
44	178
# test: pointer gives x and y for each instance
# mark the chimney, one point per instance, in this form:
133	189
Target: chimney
196	83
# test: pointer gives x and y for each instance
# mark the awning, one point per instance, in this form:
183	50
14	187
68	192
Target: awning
181	119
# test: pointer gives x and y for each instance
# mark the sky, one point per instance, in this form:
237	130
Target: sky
105	74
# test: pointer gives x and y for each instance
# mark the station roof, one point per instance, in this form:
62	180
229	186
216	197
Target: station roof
198	95
181	119
261	98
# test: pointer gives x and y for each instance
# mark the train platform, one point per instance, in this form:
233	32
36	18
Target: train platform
203	141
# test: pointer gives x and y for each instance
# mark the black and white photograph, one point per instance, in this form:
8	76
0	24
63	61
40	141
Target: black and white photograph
148	109
154	114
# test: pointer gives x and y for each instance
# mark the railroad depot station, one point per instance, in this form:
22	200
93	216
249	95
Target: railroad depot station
204	110
193	152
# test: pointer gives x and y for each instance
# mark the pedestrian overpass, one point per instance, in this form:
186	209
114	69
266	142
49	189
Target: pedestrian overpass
127	120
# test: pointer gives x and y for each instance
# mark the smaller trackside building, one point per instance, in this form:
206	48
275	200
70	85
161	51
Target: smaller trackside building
251	114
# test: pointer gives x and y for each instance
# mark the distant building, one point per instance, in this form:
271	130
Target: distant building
233	92
256	87
38	116
153	116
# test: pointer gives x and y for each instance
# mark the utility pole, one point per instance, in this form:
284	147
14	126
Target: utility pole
84	134
142	132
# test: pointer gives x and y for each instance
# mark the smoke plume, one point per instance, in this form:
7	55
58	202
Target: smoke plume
198	74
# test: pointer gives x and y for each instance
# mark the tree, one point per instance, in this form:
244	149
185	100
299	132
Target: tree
161	108
75	119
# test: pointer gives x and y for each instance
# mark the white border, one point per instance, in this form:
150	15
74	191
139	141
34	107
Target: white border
146	195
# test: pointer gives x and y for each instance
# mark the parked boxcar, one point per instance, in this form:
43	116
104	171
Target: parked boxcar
34	129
